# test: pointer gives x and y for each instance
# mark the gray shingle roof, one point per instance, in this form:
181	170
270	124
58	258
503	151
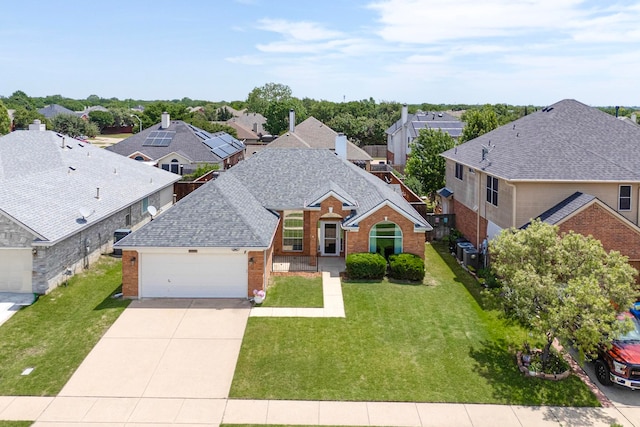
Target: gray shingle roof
50	111
186	142
236	209
567	141
43	186
313	133
429	120
222	213
565	208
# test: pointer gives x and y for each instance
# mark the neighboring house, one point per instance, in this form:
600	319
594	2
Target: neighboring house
84	114
246	135
221	239
312	133
253	121
181	148
61	201
50	111
401	134
568	164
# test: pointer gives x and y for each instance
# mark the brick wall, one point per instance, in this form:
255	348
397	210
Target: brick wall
614	233
130	274
467	223
412	242
259	270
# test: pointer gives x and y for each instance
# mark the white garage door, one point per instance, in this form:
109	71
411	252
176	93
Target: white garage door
16	270
193	275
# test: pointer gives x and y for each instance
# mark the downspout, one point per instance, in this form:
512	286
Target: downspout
264	270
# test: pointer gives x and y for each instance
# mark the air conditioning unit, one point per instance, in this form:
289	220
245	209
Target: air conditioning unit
461	246
471	258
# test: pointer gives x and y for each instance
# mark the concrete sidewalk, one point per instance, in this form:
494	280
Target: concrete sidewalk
129	412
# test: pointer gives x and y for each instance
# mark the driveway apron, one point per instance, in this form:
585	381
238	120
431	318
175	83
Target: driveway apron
165	348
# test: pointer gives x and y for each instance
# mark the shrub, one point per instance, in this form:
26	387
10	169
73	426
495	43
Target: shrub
406	267
366	266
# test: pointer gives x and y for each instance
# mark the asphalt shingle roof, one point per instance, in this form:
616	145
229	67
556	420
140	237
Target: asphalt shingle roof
50	111
43	185
429	120
185	142
236	210
567	141
565	208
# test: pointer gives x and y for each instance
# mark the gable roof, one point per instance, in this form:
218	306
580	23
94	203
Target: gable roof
249	120
567	141
429	120
271	180
180	137
565	208
50	111
313	133
43	185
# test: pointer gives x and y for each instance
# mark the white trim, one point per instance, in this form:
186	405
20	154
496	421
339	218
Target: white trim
396	208
630	197
322	238
348	203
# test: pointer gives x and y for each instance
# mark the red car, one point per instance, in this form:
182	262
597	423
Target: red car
621	363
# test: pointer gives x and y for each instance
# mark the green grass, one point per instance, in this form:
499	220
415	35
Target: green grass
294	291
15	423
116	135
55	334
429	343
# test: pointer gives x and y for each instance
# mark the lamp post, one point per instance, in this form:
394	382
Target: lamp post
140	120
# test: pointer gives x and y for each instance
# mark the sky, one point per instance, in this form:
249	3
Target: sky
522	52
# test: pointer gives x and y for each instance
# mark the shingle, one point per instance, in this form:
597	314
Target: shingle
568	141
43	186
565	208
50	111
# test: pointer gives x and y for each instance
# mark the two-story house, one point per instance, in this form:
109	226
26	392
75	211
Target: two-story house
569	164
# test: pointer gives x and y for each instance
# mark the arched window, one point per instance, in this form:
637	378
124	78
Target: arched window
139	158
175	166
385	238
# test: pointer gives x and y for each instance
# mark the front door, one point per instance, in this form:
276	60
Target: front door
330	239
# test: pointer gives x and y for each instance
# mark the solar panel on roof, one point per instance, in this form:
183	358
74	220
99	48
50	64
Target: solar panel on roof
158	138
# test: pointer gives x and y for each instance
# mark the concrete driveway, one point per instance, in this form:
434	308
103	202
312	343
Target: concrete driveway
165	348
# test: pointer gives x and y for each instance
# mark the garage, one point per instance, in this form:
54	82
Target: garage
193	275
16	267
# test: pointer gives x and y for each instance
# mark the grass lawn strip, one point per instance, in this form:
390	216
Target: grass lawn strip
15	423
294	291
427	343
56	333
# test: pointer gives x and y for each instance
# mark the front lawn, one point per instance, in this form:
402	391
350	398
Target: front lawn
294	291
431	343
56	333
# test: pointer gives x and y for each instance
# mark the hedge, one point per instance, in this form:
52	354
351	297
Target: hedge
406	267
366	265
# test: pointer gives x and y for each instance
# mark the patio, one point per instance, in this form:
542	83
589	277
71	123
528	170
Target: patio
291	264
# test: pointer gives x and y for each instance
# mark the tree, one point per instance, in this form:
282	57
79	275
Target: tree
562	286
478	122
20	99
425	163
22	118
102	119
5	121
122	117
72	125
277	115
261	97
199	121
224	114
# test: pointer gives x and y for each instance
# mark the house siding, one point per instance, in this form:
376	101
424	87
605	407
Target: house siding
412	241
12	235
604	226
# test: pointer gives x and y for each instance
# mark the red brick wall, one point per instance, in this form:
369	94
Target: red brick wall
259	270
467	223
614	233
130	274
390	157
412	242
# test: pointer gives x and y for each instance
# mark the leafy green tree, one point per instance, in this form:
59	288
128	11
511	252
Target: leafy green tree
261	97
72	125
478	122
20	99
122	116
22	118
102	119
152	113
199	121
224	114
425	163
277	115
5	121
562	286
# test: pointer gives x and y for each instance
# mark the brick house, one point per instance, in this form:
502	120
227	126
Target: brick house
180	147
569	164
61	201
221	239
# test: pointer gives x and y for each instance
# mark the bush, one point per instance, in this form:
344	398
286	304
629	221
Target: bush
406	267
366	266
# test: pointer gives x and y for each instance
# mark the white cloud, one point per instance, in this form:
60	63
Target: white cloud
300	31
245	60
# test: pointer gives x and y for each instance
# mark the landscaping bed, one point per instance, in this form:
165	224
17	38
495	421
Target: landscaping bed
429	343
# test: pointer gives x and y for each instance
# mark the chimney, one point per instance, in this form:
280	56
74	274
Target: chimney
341	145
405	113
166	121
292	120
633	118
37	125
255	127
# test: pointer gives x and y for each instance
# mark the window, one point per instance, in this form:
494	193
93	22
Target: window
492	190
145	205
174	166
624	198
459	171
293	231
139	158
385	238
